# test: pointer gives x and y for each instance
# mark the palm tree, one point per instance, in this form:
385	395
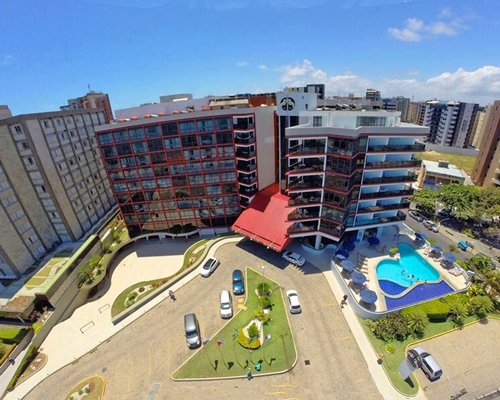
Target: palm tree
482	305
458	311
417	321
86	273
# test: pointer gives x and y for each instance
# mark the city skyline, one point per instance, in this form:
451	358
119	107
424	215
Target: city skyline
138	51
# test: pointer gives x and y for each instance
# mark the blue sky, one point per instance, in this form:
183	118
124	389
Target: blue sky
137	50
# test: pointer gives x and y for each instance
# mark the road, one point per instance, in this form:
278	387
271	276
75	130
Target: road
138	361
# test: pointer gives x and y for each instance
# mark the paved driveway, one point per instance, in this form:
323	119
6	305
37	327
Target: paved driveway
138	361
470	359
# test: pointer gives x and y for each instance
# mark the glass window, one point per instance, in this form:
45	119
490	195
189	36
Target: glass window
120	187
169	129
149	184
370	121
153	131
189	141
121	136
224	137
222	123
136	133
105	138
193	168
155	145
226	151
123	149
142	160
158	158
139	147
127	162
317	121
187	127
207	139
206	125
212	178
161	171
145	172
164	183
172	143
198	191
174	156
131	174
196	179
177	169
109	151
211	190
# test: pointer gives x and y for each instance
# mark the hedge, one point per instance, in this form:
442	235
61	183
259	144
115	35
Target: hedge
11	335
436	310
243	340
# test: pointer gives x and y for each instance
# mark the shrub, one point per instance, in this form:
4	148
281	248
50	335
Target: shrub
262	316
243	341
481	305
432	241
468	232
453	248
265	302
263	289
390	348
142	289
391	327
475	289
393	250
417	321
436	310
458	312
253	331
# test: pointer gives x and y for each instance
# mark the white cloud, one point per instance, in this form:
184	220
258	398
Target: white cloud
242	63
263	67
6	59
480	86
416	30
413	72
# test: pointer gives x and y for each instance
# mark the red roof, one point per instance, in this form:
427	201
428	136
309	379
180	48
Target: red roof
265	219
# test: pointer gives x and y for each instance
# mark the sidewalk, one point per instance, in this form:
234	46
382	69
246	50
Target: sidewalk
79	336
479	247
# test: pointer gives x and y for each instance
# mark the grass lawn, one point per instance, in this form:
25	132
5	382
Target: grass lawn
464	162
12	333
189	259
57	261
95	385
231	359
392	359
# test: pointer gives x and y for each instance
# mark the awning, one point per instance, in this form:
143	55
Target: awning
265	219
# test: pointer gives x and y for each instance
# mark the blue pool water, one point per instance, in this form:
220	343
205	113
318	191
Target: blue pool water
418	294
390	287
409	269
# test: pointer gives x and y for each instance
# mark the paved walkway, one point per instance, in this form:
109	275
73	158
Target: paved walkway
90	325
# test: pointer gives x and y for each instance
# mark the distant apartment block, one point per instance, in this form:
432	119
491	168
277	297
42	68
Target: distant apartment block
450	124
373	94
434	174
53	186
413	112
92	100
399	103
487	167
477	129
5	112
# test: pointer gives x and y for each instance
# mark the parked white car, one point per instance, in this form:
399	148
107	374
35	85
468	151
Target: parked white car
431	225
293	301
210	266
294	258
226	306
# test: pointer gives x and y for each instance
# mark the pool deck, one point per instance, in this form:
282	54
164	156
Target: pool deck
375	254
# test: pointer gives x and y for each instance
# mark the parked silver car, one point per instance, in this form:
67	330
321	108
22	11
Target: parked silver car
419	358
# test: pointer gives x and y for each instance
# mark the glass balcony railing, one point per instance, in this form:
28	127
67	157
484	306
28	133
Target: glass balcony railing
248	191
381	220
396	147
246	167
244	140
394	164
303	200
332	232
304	214
384	207
299	229
245	154
305	168
387	193
390	179
306	150
247	180
317	184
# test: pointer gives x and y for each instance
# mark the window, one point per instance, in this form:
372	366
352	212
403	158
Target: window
8	201
17	129
24	146
28	161
105	138
46	123
121	136
155	145
206	125
317	121
187	127
169	129
222	124
224	137
16	215
370	121
189	141
136	134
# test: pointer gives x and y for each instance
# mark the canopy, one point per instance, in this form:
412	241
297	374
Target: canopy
347	266
348	246
449	257
368	296
358	278
420	235
373	240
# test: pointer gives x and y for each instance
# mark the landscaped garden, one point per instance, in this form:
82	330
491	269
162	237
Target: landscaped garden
90	389
10	336
257	339
136	292
391	335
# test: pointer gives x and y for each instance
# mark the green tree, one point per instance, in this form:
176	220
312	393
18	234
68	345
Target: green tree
86	273
481	305
417	321
263	289
426	200
493	283
458	311
464	201
391	327
479	263
490	201
253	331
453	248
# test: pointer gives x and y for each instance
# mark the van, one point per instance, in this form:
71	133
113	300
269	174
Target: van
192	331
419	358
226	306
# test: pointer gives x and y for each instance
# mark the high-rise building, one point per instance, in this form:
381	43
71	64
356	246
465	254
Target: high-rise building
486	170
5	112
430	116
477	128
456	123
399	103
189	171
92	100
319	89
52	184
373	94
413	112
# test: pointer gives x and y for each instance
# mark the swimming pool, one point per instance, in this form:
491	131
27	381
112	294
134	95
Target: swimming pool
411	268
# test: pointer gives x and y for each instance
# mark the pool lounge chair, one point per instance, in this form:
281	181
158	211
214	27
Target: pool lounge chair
456	270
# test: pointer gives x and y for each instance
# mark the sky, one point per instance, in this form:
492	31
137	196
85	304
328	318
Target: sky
137	50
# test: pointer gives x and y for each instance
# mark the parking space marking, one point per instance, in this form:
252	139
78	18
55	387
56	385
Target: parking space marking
277	393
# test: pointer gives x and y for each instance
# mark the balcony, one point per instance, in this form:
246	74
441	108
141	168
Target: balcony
312	184
394	164
246	167
384	207
247	180
382	220
301	229
388	193
242	140
297	151
303	214
332	232
298	168
249	192
390	179
396	147
303	200
241	153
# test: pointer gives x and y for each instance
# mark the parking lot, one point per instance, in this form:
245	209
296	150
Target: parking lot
138	361
469	359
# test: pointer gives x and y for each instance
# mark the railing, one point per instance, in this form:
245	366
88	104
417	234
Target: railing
303	200
396	206
376	195
306	168
303	215
246	167
298	229
397	147
245	154
306	185
332	232
391	179
386	164
248	192
383	220
248	181
248	140
306	150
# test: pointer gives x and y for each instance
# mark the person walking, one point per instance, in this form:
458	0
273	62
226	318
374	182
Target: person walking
344	301
172	295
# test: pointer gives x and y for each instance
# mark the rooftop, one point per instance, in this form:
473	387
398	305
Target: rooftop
437	167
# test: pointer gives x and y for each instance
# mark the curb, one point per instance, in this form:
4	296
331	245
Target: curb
294	363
